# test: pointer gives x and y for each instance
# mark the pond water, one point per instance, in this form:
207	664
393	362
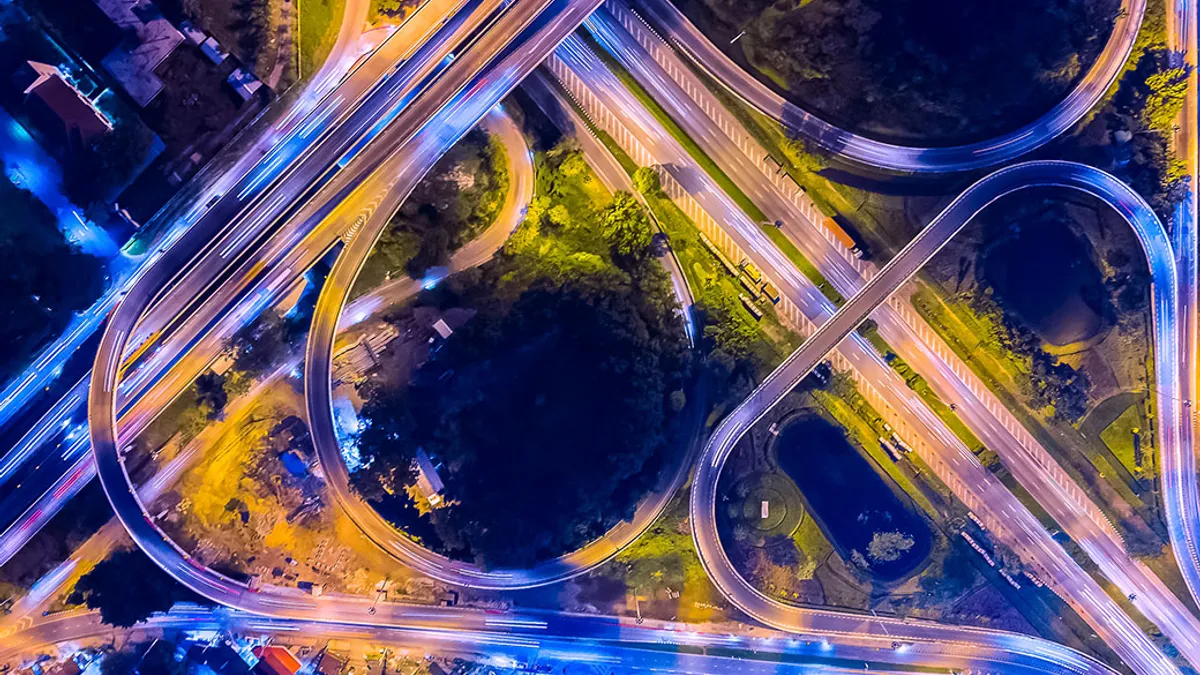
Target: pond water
1044	274
849	498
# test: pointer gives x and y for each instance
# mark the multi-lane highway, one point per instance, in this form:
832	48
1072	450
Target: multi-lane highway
184	209
1132	645
1177	460
986	417
426	146
447	108
589	643
234	227
366	307
975	486
888	156
356	199
952	380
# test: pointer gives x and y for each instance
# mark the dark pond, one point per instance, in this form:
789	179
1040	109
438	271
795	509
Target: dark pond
848	497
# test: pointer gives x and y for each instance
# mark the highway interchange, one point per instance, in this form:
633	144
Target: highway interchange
437	97
960	470
978	488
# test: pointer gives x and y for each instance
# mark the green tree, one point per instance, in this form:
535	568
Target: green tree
262	344
44	278
583	364
210	393
559	216
393	8
110	163
573	164
626	227
723	328
460	197
1164	100
647	181
251	22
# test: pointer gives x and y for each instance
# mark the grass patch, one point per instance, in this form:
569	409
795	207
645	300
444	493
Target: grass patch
664	560
319	23
617	151
703	270
1124	438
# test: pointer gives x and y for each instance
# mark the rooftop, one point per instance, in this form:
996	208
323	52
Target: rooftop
428	481
79	123
275	660
133	65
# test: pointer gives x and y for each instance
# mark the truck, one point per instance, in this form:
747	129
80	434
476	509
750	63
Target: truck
840	235
887	447
771	292
712	248
750	286
750	306
751	271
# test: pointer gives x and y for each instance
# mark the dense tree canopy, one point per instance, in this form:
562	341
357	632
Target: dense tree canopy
547	409
646	181
44	279
626	226
1164	97
127	587
1140	122
722	327
95	172
930	68
546	416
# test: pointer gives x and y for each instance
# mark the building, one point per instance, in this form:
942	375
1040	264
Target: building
428	481
443	329
213	52
329	663
244	83
68	119
221	658
68	667
192	34
275	660
152	39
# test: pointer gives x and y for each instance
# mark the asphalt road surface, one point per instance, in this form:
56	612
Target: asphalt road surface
671	22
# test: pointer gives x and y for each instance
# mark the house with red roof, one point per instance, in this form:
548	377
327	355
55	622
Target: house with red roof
275	660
